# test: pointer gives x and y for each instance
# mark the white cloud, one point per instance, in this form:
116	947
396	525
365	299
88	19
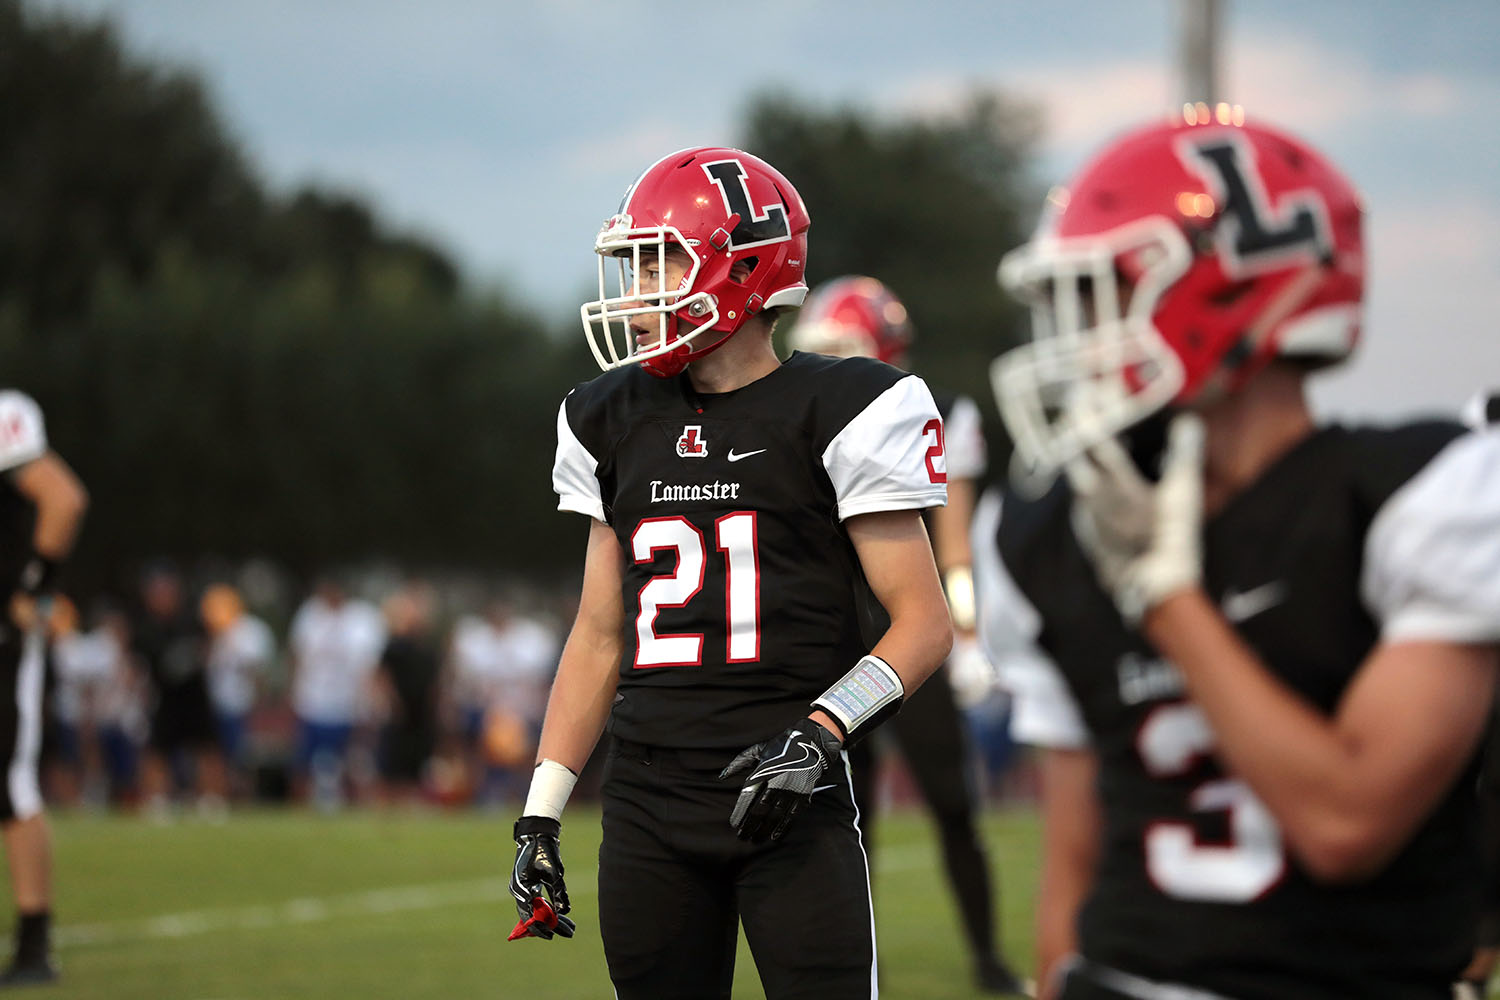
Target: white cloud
1307	86
1432	289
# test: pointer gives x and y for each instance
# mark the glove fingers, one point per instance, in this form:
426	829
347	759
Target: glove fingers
742	805
565	927
765	822
743	761
557	893
753	827
1184	458
792	808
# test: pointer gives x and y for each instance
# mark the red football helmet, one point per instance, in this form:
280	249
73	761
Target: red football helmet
1176	265
854	317
723	206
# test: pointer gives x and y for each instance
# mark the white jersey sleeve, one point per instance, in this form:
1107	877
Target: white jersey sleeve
1432	554
573	477
1043	710
890	456
963	440
23	438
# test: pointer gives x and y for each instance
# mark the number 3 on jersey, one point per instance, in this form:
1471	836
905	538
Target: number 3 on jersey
734	536
1173	738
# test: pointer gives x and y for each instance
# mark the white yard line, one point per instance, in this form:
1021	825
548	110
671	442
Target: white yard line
374	902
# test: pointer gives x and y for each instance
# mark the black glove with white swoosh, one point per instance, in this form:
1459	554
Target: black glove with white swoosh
536	880
780	776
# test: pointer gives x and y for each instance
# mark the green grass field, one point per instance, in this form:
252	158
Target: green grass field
276	905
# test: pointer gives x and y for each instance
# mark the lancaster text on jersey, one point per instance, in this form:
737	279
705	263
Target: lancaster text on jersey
716	490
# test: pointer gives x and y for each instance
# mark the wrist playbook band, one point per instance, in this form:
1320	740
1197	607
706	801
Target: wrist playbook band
863	698
551	784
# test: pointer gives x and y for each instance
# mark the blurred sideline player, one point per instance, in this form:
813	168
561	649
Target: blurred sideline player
43	504
1259	653
1482	413
738	506
241	649
853	317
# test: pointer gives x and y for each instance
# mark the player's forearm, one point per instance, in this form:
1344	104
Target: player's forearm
60	500
1309	773
950	527
918	640
580	701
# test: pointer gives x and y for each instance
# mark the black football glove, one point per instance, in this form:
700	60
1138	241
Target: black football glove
782	775
539	868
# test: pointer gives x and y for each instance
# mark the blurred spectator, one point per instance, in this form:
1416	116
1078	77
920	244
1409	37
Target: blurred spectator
334	645
407	681
68	738
241	648
172	647
500	668
98	710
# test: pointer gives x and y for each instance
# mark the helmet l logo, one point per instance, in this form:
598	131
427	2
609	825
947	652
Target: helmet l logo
1254	235
756	226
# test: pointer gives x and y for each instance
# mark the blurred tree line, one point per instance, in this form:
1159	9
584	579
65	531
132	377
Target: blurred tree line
235	372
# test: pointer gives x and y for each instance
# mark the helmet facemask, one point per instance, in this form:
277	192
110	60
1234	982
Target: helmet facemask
1097	363
606	320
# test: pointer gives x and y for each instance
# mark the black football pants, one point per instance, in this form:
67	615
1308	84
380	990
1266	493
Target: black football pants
932	737
675	881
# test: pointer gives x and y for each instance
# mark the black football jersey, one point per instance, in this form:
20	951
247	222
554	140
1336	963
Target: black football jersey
23	439
743	594
1351	538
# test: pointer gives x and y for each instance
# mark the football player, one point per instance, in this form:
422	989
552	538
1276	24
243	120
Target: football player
854	317
742	513
1259	653
42	504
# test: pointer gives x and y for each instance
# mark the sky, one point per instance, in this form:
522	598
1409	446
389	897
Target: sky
505	132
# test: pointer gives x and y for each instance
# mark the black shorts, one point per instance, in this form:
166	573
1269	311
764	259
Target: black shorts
675	882
23	675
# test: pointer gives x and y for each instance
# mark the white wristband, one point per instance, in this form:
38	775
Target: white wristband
863	697
551	784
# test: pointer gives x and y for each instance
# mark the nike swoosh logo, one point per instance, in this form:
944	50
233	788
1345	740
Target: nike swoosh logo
809	760
744	454
1239	606
821	788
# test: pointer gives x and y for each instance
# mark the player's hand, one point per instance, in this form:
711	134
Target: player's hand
1144	538
536	881
780	776
970	674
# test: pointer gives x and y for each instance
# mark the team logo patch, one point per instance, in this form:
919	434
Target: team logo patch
692	444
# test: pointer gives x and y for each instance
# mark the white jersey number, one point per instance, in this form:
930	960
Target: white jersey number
1172	738
735	537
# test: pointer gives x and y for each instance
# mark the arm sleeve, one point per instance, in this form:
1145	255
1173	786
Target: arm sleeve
1432	554
963	439
22	436
573	477
1043	710
890	457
